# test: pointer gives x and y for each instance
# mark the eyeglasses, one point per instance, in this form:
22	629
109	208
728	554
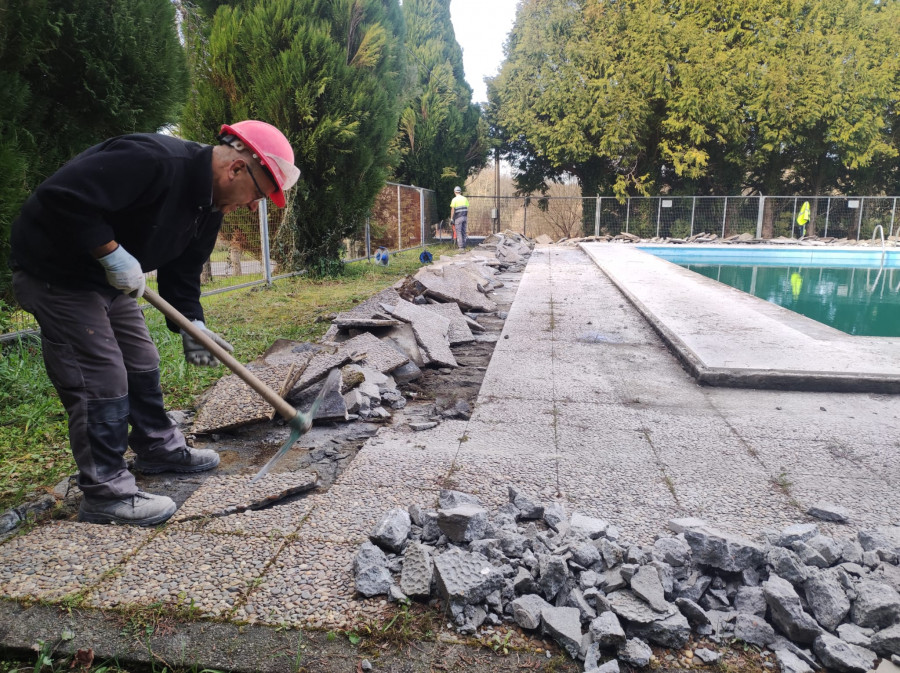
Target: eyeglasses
259	191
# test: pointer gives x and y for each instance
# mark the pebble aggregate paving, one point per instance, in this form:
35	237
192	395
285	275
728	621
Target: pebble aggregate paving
62	558
204	571
581	405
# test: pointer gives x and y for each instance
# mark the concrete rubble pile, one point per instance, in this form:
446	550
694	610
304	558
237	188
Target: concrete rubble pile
740	239
815	601
383	342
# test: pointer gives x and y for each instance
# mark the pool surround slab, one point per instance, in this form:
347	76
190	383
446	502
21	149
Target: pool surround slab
725	337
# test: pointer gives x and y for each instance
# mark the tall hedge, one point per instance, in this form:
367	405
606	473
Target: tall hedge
329	75
72	73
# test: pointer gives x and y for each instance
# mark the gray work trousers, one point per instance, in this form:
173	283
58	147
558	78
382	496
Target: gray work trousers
100	358
461	238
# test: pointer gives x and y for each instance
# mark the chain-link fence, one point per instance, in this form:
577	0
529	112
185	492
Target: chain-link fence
403	217
851	217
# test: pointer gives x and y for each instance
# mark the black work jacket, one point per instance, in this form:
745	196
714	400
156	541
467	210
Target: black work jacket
149	192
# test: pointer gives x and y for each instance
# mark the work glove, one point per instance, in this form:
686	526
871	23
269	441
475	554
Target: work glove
124	272
195	353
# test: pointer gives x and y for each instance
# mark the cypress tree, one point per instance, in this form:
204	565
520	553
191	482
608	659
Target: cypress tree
73	73
442	137
328	75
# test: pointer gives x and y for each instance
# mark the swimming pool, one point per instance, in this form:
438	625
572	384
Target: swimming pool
849	289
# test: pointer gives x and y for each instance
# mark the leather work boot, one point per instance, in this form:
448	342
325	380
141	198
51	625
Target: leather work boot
183	460
140	509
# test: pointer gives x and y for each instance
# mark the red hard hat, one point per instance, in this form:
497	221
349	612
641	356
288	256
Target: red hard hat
271	149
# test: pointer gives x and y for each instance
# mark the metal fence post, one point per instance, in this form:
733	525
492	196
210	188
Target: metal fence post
525	219
893	212
599	203
794	217
724	215
693	208
759	216
627	214
658	213
368	240
422	216
264	240
399	220
862	204
827	214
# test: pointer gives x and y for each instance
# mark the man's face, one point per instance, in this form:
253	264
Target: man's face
244	184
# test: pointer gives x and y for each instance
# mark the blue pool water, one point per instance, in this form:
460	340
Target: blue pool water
850	290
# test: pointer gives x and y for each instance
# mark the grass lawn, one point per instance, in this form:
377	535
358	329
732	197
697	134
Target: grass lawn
34	450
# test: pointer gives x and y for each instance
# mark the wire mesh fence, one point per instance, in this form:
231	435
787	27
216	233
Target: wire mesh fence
766	217
405	217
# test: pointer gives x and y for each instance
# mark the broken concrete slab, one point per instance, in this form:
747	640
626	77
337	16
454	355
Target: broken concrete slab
452	284
297	353
332	408
431	331
459	323
369	351
222	495
403	339
231	403
363	323
318	368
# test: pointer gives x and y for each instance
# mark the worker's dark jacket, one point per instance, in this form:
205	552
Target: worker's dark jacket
151	193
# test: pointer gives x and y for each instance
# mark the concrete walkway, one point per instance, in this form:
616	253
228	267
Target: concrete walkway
582	404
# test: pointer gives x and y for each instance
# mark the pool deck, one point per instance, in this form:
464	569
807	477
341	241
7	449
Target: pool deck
726	337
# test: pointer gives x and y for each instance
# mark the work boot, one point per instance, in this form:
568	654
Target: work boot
140	509
183	460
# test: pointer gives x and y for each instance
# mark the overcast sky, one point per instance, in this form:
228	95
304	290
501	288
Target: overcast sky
481	27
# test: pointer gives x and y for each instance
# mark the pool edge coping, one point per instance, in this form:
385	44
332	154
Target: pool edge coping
763	379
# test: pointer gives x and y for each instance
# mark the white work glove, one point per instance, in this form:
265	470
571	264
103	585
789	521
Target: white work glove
195	353
124	272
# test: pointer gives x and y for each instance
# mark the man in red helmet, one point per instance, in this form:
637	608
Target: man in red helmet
80	248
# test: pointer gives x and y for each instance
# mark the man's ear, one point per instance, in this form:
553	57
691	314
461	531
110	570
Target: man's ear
235	167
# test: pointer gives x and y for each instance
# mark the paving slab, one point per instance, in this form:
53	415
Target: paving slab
450	283
368	350
225	494
63	558
431	331
232	403
205	572
346	514
310	585
460	332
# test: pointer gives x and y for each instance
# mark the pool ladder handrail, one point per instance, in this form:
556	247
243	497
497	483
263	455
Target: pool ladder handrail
871	288
878	228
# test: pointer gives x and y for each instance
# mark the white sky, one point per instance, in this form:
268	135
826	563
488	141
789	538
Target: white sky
481	27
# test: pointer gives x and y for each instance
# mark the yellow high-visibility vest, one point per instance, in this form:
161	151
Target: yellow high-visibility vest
803	217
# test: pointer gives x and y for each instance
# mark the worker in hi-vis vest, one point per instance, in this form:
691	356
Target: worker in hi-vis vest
459	216
803	218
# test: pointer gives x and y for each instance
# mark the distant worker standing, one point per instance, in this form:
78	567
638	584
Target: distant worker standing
80	248
803	218
459	216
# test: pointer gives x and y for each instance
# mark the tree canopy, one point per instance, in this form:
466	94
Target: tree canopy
73	73
703	97
328	74
441	138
